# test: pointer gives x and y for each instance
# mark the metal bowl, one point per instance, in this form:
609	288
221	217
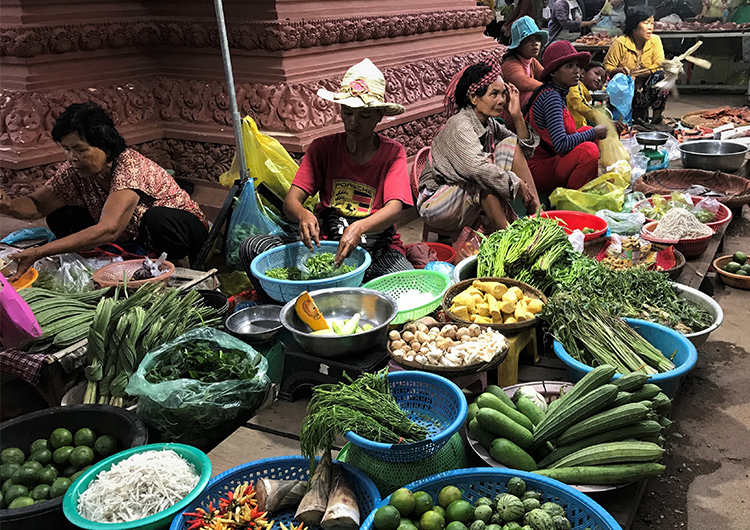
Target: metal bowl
713	154
339	303
653	138
255	324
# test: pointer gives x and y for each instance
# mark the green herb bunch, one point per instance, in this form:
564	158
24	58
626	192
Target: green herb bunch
202	361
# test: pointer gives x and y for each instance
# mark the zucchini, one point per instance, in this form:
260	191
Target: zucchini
491	401
592	380
509	454
622	398
646	430
603	475
500	394
612	453
501	425
473	409
630	382
604	421
531	411
572	412
647	392
484	437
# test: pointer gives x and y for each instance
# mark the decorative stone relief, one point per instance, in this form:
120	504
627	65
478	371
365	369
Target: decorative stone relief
277	35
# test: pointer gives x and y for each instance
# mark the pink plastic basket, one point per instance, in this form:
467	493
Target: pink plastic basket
690	248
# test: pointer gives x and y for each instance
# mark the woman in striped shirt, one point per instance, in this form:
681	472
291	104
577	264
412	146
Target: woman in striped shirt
567	156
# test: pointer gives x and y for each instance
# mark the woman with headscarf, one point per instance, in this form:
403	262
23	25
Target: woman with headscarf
477	165
567	156
640	54
360	176
520	65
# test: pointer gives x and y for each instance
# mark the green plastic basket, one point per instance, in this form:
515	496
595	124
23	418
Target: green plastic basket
433	282
388	477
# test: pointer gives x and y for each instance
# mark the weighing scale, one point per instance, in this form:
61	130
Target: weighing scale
651	141
599	100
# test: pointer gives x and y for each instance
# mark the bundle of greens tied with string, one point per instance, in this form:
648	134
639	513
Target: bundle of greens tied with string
528	250
364	406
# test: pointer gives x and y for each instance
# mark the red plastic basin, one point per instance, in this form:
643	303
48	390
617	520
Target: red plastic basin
571	221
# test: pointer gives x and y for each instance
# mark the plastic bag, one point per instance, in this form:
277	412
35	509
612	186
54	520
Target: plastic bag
605	192
194	412
611	149
631	199
17	322
29	234
577	239
468	243
621	89
706	209
626	224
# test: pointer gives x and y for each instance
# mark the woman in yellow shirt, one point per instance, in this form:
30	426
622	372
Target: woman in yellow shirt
639	54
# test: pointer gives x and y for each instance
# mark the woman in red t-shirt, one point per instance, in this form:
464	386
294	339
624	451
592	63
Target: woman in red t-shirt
361	177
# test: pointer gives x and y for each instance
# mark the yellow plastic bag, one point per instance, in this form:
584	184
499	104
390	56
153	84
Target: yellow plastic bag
606	192
611	149
267	162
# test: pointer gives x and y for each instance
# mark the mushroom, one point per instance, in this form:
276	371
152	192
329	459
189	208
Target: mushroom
463	332
474	330
415	345
411	327
407	336
398	345
448	331
445	343
398	353
421	337
394	335
435	329
422	327
433	336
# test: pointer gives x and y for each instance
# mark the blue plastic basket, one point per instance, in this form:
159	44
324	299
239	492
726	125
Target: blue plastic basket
664	339
474	483
429	400
279	468
289	256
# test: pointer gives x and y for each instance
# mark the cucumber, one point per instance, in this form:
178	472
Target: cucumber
589	382
484	437
603	475
647	392
488	400
630	382
626	451
605	421
500	394
509	454
473	409
531	411
501	425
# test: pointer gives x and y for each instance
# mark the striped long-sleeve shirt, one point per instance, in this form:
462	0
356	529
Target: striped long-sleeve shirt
548	114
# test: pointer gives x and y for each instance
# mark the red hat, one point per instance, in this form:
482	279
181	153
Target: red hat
559	53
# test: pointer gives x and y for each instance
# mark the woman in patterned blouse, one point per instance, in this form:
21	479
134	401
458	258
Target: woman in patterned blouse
105	192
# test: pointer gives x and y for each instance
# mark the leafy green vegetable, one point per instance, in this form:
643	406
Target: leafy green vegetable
319	266
203	362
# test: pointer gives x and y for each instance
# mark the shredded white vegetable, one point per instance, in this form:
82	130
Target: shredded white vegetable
679	223
137	487
412	298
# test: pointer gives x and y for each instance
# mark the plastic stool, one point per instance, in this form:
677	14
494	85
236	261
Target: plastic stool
507	372
462	381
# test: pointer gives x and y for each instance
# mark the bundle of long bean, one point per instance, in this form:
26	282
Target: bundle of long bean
593	336
527	250
634	293
124	332
364	406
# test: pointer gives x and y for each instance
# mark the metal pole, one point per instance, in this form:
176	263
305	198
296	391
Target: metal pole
236	118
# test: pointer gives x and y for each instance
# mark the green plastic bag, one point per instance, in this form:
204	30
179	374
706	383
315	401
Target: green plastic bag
606	192
193	412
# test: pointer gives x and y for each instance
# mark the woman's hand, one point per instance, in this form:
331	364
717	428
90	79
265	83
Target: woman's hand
529	200
621	70
309	230
513	101
620	126
349	240
601	131
24	260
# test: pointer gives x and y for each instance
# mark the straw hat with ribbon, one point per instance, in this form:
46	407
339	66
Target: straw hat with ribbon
557	54
363	86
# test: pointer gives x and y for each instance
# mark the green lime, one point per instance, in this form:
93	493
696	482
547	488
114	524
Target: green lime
422	503
21	502
732	267
740	257
403	500
439	509
741	272
60	438
7	484
33	464
431	520
3	505
61	455
43	456
447	495
15	491
460	510
456	525
746	267
84	436
483	513
26	476
59	487
69	470
12	455
81	456
406	526
40	492
387	518
6	470
40	443
48	475
105	445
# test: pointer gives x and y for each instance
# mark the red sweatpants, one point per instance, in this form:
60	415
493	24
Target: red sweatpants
571	170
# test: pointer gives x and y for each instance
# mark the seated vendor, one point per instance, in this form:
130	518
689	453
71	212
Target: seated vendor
639	54
361	177
567	156
579	97
105	192
477	164
520	65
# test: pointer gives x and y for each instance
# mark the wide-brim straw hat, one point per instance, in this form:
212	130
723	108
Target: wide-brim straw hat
557	54
363	86
523	28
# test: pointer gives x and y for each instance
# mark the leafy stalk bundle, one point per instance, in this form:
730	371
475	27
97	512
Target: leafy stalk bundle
364	406
202	361
593	336
633	293
528	250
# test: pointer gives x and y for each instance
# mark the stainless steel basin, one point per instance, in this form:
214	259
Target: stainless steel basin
713	154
